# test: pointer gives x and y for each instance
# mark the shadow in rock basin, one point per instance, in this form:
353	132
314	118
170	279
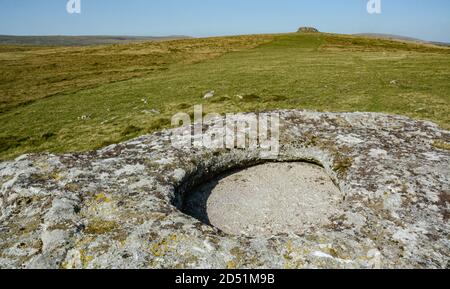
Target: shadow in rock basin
265	199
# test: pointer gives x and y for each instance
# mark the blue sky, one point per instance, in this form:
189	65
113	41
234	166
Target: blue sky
425	19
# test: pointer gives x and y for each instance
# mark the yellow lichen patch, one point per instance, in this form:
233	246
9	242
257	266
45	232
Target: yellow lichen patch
100	227
294	256
102	198
30	225
440	144
231	265
239	257
121	237
289	250
342	164
161	248
179	266
85	259
77	258
72	187
191	260
56	175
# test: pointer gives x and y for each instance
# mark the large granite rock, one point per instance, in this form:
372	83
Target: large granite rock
117	207
308	30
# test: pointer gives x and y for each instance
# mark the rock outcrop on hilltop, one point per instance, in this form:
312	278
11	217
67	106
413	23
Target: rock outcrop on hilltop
118	207
308	30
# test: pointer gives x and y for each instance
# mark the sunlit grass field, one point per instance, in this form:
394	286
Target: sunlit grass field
65	99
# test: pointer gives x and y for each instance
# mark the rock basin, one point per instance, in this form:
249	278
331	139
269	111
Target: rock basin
122	206
267	200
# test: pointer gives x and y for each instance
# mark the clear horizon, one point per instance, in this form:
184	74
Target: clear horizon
427	20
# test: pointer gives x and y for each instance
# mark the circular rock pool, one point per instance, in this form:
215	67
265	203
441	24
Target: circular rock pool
267	199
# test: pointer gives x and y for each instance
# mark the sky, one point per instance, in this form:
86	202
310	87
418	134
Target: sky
424	19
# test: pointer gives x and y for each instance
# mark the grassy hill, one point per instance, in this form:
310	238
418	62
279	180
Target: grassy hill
78	40
401	38
62	99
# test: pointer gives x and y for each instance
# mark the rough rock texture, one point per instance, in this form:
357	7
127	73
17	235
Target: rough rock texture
113	208
267	199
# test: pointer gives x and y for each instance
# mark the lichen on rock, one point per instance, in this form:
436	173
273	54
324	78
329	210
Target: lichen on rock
118	207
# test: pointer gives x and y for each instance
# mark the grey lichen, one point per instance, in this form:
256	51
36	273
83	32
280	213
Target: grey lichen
118	207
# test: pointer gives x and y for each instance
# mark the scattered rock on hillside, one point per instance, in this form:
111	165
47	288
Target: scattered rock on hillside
151	111
118	207
394	82
84	117
209	94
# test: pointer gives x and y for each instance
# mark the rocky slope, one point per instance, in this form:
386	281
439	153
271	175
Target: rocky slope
118	207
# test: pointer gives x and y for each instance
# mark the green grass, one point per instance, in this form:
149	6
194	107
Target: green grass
42	108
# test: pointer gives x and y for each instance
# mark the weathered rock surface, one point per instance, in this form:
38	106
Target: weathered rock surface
114	208
266	200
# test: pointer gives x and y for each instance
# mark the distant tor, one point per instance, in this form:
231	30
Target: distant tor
308	30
